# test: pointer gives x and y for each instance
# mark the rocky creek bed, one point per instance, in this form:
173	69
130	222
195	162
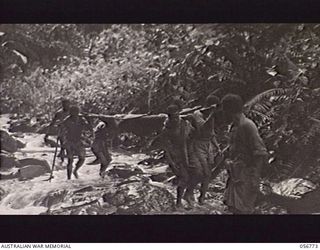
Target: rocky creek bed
128	187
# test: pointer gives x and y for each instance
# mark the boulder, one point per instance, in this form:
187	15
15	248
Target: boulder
9	176
18	135
307	204
22	126
141	198
151	161
53	198
294	187
8	160
33	161
20	144
124	171
8	143
296	196
51	143
161	177
2	193
90	208
32	171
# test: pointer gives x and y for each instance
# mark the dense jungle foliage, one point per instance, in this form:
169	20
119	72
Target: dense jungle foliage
140	68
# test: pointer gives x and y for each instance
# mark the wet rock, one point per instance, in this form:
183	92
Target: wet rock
294	187
53	198
140	198
9	176
108	209
161	177
209	207
32	171
33	161
2	193
8	143
298	196
124	171
309	203
18	135
8	161
151	161
90	209
20	144
50	142
23	125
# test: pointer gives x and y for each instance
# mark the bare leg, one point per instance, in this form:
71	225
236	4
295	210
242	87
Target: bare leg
69	167
78	165
180	191
203	190
81	154
188	196
62	154
204	184
183	179
105	160
193	182
96	154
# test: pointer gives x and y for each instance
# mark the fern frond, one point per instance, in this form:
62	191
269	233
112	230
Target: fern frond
257	113
265	96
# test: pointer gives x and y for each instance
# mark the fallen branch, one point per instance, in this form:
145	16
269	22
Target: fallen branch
85	189
127	182
82	205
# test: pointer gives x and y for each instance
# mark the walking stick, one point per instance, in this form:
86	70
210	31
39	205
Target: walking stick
54	161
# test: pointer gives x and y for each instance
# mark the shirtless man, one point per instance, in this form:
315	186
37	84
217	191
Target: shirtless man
73	127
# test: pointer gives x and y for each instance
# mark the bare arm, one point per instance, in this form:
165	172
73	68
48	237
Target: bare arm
215	142
54	120
209	123
256	147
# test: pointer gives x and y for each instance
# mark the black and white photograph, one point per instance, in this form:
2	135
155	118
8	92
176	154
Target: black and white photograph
160	119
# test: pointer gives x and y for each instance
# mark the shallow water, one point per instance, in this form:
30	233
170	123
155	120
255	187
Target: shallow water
24	197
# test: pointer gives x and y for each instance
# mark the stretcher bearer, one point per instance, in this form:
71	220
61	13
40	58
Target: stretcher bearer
99	147
203	148
175	137
73	127
247	154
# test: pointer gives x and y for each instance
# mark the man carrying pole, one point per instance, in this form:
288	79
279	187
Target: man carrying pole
99	147
202	149
247	154
175	139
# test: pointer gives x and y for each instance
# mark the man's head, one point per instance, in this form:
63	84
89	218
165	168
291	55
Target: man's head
74	111
232	104
212	100
65	104
173	111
